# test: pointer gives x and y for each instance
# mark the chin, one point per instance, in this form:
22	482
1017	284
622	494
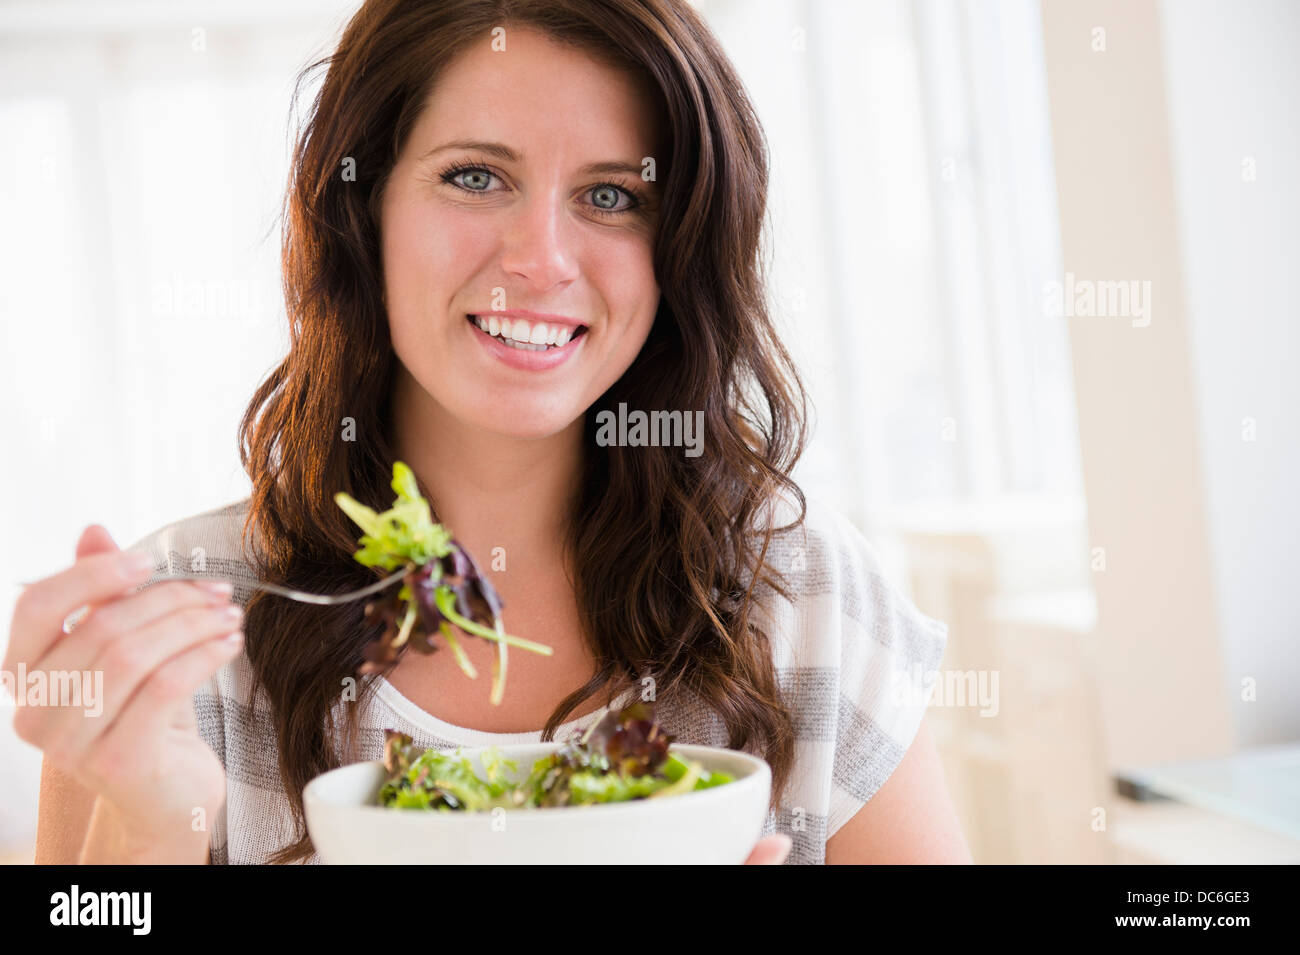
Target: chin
527	425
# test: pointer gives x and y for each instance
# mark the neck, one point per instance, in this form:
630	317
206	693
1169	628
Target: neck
490	490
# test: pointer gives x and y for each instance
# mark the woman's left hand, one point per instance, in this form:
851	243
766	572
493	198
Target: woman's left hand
771	850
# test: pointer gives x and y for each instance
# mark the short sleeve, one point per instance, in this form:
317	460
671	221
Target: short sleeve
889	658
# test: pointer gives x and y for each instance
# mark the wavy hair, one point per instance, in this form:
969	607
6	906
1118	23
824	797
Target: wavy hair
669	549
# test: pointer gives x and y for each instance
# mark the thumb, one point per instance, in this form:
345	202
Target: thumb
95	539
771	850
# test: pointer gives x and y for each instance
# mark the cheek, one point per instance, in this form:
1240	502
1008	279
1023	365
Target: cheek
634	292
622	267
428	252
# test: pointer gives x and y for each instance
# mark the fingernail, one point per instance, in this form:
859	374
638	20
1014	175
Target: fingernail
222	588
233	639
232	612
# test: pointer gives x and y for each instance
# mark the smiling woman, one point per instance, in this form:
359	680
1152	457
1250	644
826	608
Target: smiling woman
552	229
552	210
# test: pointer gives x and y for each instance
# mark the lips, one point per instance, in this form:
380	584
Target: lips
525	334
530	356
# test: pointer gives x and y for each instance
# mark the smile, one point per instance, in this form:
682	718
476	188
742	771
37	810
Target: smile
524	335
524	345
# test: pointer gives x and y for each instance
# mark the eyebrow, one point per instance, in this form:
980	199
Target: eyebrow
504	152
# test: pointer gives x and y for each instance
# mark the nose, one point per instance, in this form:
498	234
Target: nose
538	247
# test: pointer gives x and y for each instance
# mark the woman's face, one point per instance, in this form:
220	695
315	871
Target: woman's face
468	230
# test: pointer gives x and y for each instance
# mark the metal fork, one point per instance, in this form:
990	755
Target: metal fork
74	618
300	595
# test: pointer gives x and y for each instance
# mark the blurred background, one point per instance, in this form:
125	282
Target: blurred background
1034	260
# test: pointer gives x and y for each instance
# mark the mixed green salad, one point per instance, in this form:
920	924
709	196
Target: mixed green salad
623	756
443	590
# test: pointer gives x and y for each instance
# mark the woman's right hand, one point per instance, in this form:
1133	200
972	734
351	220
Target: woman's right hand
137	746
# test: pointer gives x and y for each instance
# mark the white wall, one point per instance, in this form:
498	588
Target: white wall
1233	84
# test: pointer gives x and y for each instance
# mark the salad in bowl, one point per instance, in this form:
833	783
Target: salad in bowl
622	793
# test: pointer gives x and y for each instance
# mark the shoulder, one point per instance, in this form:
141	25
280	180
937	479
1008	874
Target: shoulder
857	661
832	568
864	661
209	542
846	616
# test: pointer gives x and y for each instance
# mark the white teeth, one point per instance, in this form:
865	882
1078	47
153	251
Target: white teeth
520	333
514	344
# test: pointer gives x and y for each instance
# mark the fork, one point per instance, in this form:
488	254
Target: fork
301	595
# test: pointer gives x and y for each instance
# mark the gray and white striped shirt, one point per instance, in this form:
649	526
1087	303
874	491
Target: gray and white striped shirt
854	656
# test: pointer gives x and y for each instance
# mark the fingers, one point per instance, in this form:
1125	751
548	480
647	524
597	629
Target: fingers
127	662
148	710
95	539
120	618
41	609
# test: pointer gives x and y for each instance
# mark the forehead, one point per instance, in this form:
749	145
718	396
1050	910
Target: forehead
545	99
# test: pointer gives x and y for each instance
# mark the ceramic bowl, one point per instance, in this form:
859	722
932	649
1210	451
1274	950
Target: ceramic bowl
719	825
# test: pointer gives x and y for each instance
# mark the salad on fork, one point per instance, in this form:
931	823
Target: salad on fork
442	590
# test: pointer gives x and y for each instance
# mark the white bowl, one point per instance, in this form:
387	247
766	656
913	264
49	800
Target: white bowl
719	825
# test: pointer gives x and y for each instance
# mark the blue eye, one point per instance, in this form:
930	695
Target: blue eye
482	173
608	190
611	190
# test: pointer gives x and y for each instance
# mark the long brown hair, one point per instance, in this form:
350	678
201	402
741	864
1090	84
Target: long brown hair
668	549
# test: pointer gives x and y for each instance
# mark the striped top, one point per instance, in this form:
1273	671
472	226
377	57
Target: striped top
855	660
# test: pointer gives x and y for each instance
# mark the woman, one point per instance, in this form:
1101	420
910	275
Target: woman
504	219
